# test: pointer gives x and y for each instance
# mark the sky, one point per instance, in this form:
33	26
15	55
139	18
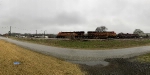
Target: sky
53	16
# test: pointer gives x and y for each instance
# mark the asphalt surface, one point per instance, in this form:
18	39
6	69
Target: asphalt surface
81	56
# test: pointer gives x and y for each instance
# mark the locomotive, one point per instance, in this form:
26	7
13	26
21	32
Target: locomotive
78	34
101	35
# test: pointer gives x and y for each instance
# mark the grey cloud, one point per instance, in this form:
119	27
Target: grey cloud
19	24
10	21
63	19
69	18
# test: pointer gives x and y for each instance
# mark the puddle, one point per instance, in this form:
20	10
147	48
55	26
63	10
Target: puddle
91	63
16	63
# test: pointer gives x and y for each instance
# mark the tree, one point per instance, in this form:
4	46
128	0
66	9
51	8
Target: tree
138	31
101	29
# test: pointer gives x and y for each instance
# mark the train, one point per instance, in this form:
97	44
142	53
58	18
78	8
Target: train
95	35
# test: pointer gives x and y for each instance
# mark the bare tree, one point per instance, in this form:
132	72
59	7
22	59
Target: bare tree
101	29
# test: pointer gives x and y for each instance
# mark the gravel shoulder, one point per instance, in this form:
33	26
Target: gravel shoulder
81	55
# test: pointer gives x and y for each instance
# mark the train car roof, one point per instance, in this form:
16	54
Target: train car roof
104	31
72	32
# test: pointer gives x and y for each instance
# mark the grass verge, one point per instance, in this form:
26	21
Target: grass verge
92	44
32	63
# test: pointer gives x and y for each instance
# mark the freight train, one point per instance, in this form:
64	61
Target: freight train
95	35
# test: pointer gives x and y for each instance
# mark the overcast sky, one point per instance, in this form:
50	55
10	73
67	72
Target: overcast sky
27	16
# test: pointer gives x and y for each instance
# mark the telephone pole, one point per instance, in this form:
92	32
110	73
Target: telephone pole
36	32
44	34
10	30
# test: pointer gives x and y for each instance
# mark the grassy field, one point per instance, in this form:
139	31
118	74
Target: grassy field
32	63
92	44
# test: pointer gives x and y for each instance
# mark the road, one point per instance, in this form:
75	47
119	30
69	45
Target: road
75	55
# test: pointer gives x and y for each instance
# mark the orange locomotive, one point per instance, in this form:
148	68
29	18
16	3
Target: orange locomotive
77	34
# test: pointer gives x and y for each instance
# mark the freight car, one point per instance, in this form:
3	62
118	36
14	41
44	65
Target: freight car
127	35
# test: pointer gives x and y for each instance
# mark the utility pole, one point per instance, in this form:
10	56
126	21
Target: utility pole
10	30
36	32
44	34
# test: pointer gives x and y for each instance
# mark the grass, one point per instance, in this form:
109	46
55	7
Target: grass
144	58
92	44
32	63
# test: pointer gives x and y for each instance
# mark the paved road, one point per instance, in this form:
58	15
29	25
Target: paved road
82	55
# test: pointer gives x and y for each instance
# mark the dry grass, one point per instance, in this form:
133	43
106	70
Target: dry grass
32	63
